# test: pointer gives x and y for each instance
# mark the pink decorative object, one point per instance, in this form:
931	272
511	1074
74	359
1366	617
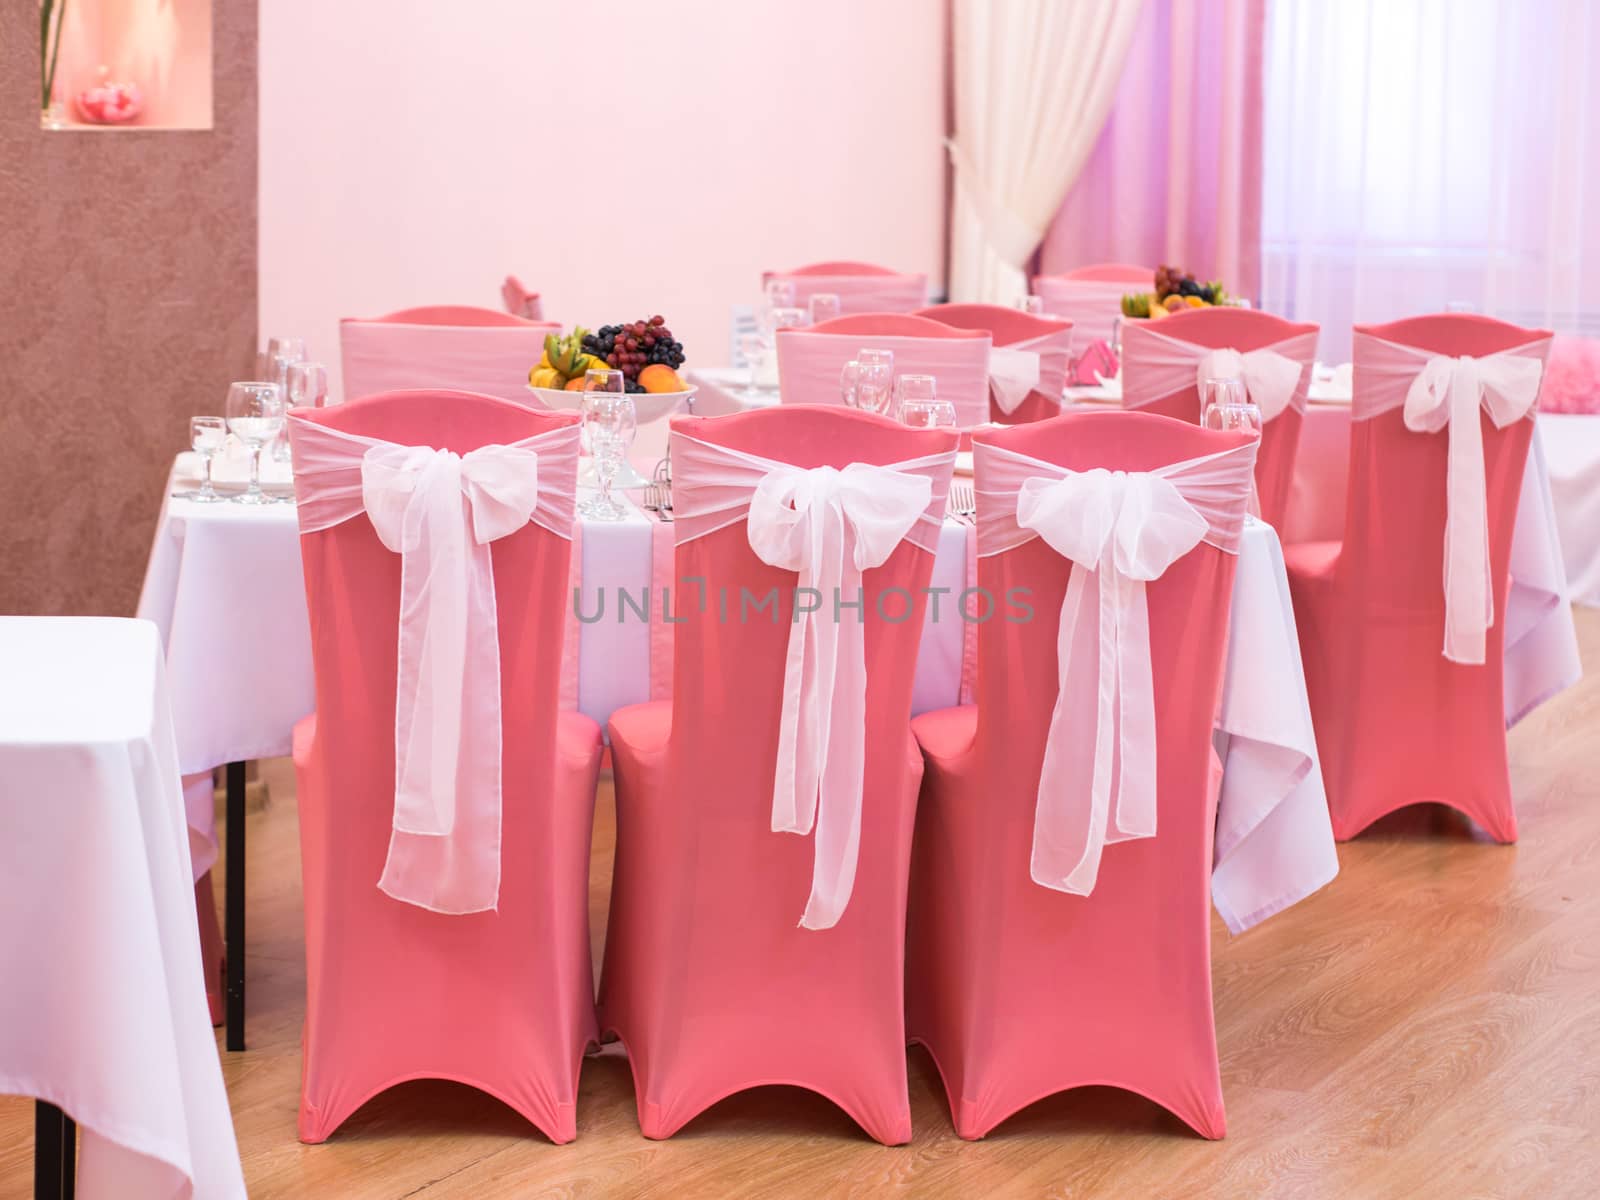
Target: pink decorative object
1438	445
1017	989
1572	378
108	102
391	988
1161	361
1097	362
709	981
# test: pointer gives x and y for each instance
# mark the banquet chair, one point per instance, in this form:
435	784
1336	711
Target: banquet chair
811	358
457	950
453	347
861	287
519	301
1024	978
1405	672
1163	361
1028	358
1091	297
708	980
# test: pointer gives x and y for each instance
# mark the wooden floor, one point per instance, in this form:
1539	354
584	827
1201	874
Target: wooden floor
1427	1026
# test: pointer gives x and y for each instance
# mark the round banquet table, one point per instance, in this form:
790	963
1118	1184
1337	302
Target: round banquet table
102	1001
225	587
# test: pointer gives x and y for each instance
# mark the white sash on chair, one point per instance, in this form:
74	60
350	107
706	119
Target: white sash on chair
829	525
1120	529
1157	366
1031	364
1438	392
439	511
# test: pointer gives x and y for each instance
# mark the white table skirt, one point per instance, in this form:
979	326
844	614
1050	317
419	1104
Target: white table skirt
1572	453
219	569
102	998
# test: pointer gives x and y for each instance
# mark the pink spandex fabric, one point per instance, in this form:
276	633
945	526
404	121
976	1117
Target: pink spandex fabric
1241	329
1048	337
499	1000
708	980
1396	722
810	359
458	348
1091	297
1019	991
861	287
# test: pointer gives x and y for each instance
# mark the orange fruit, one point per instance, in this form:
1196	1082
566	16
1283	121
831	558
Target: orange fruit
575	384
658	377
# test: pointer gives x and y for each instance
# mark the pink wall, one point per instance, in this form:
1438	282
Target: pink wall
623	159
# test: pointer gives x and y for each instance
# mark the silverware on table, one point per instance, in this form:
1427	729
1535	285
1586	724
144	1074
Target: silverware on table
962	502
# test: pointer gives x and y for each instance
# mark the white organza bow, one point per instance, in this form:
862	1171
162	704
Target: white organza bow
1449	392
1269	378
1122	530
1435	391
440	512
1013	373
830	526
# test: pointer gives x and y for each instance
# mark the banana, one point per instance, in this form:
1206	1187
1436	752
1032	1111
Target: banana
546	377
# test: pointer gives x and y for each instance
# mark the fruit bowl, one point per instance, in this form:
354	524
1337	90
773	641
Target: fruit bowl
647	406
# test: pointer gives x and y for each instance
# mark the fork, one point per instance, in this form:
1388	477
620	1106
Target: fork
962	502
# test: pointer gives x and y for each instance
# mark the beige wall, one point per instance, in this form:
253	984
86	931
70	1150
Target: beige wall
127	303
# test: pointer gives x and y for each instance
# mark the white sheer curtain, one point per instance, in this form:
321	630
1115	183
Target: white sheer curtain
1034	80
1427	153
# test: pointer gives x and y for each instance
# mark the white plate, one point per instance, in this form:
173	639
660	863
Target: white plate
649	406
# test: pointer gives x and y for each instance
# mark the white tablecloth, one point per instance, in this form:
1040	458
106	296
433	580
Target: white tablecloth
236	568
102	1001
1572	453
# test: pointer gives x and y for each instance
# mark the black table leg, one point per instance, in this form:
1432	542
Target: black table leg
233	905
55	1153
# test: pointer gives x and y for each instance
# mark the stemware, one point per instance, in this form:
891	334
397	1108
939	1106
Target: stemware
287	349
609	421
867	380
307	384
1226	405
1031	304
255	415
919	405
753	349
207	436
823	306
780	293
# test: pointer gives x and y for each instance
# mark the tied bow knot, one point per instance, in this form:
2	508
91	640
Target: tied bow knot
1449	392
828	525
1269	378
1013	374
439	511
1121	530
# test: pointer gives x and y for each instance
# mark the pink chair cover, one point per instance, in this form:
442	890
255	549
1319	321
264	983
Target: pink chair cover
861	287
1091	297
519	301
490	354
1437	450
1028	358
708	980
501	999
1021	990
811	359
1164	361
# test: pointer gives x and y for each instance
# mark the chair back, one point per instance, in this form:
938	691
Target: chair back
1091	297
450	347
861	287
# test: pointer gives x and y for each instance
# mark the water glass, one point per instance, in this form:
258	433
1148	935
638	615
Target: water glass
753	348
1033	305
919	403
823	306
255	416
609	422
867	380
780	293
207	436
307	384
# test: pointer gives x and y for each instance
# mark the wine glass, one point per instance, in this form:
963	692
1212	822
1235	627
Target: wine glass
753	349
609	422
255	415
1226	405
823	306
780	293
1031	304
207	435
307	384
875	380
